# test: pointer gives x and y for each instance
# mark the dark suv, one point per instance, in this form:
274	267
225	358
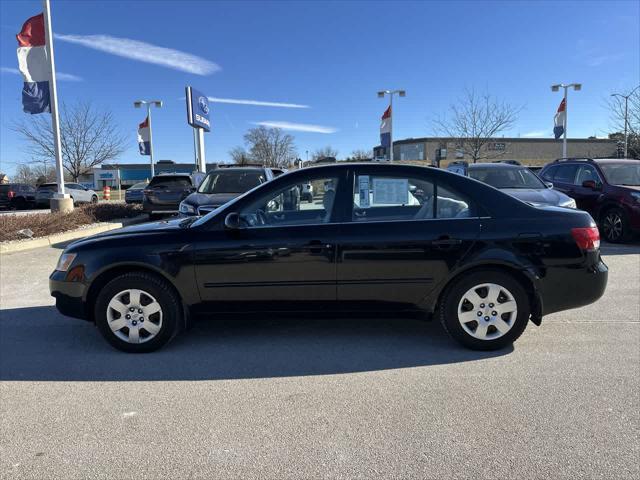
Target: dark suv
223	184
17	195
609	189
165	192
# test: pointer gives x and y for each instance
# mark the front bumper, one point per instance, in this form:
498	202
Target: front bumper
69	296
564	288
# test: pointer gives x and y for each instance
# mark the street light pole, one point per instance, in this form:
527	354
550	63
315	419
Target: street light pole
626	115
391	93
148	103
554	88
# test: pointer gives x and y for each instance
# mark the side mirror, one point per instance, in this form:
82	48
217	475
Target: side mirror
549	184
589	184
232	221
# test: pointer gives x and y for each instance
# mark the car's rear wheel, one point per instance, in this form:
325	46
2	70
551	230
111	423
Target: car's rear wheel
615	228
138	312
485	310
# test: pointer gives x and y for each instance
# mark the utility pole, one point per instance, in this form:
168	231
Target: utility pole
391	93
626	116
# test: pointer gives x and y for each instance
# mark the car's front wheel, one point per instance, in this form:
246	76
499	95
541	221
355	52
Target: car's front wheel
138	312
485	310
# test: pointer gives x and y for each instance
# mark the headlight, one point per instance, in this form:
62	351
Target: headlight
186	208
570	204
636	196
66	259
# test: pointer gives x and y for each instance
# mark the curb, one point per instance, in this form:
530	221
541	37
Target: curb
21	245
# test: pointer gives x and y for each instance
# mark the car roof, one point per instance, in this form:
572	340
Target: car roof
494	165
239	168
616	160
170	174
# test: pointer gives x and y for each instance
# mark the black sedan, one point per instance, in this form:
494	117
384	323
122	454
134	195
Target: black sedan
375	237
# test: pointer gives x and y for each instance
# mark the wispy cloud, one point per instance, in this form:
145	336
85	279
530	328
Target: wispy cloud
297	127
535	134
257	103
143	52
64	77
598	60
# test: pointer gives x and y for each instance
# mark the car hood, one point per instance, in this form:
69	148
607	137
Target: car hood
547	196
163	226
198	199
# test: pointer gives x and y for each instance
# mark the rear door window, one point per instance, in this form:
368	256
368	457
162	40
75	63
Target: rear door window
565	173
393	198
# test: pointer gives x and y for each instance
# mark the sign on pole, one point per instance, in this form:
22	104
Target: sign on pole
198	117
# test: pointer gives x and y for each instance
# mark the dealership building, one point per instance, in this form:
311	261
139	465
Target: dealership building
525	150
127	174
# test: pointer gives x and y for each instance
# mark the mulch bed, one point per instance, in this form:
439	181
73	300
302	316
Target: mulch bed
44	224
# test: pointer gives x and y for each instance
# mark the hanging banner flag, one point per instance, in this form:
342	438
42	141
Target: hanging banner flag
143	138
34	66
559	119
385	128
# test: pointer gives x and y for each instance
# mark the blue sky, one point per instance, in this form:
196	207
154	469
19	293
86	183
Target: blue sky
331	57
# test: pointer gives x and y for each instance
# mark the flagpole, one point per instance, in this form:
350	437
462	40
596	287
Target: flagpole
566	115
55	120
150	140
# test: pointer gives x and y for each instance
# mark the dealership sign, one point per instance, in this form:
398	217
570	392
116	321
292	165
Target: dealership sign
198	109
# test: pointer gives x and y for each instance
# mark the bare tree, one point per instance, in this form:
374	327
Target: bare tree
475	121
89	137
616	108
268	146
240	156
35	173
358	155
324	153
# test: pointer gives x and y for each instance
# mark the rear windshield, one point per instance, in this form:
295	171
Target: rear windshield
622	173
138	186
507	177
168	181
231	182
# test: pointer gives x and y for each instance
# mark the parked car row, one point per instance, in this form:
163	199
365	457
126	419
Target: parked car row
20	196
609	189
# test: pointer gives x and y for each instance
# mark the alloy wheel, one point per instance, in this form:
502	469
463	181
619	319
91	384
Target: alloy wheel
487	311
612	226
134	316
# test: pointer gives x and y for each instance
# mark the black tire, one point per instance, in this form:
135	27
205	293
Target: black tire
614	225
158	288
94	199
448	309
20	204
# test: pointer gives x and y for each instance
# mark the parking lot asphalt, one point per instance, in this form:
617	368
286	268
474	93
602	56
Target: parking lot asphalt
319	398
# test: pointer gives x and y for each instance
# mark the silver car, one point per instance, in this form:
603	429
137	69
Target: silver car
77	192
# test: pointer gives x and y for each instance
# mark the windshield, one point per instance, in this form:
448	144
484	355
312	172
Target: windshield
204	219
507	177
621	173
138	186
231	182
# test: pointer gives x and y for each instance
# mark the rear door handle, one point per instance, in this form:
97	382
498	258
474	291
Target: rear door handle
446	242
316	246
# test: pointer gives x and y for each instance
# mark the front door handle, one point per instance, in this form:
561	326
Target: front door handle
446	242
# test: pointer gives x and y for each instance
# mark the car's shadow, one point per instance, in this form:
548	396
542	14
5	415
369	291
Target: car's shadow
39	344
630	248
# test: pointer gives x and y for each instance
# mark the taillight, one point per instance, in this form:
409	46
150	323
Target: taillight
587	238
11	194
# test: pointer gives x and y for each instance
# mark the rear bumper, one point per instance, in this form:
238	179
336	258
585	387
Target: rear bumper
563	288
69	296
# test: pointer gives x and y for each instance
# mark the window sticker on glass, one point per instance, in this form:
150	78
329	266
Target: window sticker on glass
363	188
390	191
